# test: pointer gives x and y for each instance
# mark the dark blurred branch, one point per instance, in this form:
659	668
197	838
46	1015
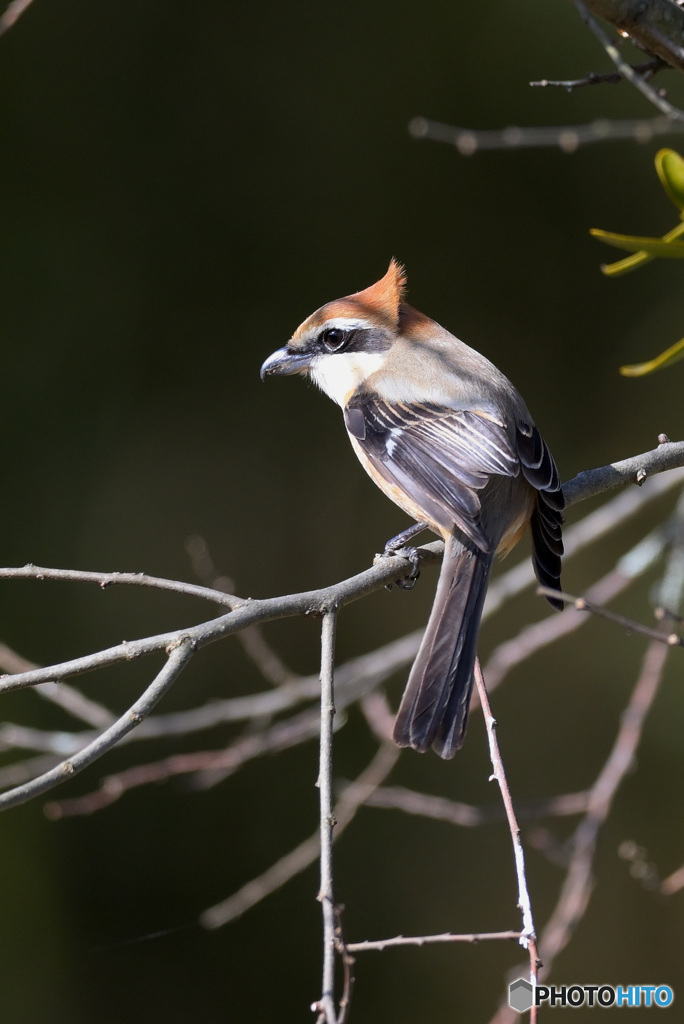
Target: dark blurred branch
293	863
13	11
577	887
439	808
673	883
567	138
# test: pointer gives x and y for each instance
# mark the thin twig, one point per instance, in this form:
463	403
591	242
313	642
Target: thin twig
582	604
546	631
327	820
647	69
425	940
105	580
528	937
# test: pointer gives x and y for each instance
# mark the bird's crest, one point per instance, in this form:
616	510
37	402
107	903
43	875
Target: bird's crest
386	294
380	302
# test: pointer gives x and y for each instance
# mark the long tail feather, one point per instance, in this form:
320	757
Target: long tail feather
434	708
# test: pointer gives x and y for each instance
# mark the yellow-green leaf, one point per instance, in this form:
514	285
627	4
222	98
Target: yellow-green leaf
670	168
666	358
636	243
640	257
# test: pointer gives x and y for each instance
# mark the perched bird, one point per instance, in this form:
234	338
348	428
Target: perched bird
448	438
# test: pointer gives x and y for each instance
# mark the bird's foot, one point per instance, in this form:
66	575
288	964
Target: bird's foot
398	546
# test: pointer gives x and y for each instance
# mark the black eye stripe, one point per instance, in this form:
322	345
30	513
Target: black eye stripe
352	339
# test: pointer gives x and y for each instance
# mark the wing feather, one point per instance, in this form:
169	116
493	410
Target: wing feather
442	457
546	523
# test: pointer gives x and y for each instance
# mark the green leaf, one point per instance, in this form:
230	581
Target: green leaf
641	256
670	168
635	243
666	358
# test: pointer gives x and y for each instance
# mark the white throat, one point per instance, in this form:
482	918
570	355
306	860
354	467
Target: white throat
340	373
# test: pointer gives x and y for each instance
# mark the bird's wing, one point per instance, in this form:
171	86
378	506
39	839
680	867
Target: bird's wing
441	457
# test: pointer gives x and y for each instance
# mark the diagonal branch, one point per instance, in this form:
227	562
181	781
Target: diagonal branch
657	26
177	659
654	42
14	10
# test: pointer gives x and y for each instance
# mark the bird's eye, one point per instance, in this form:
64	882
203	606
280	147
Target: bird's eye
335	339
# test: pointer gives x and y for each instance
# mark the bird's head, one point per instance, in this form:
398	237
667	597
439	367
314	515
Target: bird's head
346	340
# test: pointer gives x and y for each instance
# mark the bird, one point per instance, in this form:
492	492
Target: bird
447	437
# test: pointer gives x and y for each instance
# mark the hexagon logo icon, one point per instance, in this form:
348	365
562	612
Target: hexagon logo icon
520	995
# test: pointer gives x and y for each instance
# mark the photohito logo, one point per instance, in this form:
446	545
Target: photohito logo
522	996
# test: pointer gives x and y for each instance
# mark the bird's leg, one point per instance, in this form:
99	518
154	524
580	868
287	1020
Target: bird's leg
398	544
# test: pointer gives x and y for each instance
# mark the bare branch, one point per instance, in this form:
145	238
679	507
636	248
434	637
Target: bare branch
654	44
62	694
248	612
668	455
104	580
177	659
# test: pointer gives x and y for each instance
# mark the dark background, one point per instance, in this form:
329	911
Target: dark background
181	185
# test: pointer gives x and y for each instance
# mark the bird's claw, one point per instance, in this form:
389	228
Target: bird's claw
407	582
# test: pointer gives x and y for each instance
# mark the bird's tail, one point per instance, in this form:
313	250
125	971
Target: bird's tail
434	708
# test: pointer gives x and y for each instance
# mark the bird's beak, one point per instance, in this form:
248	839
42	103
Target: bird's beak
285	362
